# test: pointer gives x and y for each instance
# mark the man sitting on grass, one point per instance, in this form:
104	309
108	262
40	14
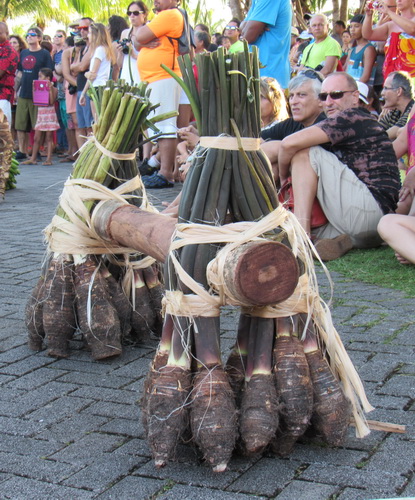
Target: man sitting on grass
354	176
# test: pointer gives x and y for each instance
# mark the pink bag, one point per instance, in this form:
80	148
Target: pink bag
41	93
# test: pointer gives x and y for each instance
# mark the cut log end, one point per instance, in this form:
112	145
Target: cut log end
261	273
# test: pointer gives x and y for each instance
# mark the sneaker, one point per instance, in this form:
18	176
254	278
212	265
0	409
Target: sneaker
157	181
20	155
331	249
145	169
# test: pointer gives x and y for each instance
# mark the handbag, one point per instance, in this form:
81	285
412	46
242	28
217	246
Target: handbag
286	197
40	93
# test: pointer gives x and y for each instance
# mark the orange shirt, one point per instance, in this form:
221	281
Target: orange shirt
167	23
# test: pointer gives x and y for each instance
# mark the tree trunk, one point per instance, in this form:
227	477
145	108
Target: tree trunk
238	8
343	10
336	11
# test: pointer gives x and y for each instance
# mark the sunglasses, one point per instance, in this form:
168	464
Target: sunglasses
336	94
231	28
57	36
310	73
134	12
31	34
83	28
390	88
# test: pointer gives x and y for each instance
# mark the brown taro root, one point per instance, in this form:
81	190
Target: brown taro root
119	300
331	409
142	317
34	316
294	389
160	360
213	416
98	318
156	291
58	308
167	415
258	420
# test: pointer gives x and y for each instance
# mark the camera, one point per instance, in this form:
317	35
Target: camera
124	44
72	89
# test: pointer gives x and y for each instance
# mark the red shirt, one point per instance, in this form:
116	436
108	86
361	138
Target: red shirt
8	63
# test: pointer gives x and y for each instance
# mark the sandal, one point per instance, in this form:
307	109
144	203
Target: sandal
157	181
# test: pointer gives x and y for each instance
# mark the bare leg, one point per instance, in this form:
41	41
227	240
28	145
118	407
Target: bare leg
49	146
23	139
399	233
167	148
35	150
304	181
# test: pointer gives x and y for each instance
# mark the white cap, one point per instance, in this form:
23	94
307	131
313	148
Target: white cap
305	35
363	91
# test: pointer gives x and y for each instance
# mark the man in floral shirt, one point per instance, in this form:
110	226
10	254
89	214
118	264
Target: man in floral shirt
347	161
8	66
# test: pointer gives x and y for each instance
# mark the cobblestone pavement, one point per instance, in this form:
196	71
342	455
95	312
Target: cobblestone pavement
70	428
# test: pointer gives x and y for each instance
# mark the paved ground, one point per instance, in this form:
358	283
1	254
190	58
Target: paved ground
70	428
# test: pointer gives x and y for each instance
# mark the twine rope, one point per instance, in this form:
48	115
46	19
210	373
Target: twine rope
77	235
230	143
105	151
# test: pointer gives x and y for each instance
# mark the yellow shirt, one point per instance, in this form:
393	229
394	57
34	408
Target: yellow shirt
167	23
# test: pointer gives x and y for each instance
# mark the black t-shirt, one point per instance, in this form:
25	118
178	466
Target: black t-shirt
80	77
359	141
30	63
283	129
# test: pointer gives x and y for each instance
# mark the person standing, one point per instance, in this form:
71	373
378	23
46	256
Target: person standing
8	66
137	14
398	32
268	26
58	46
31	60
158	44
78	68
361	60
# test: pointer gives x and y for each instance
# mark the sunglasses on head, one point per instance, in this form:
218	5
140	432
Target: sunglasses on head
310	73
231	28
336	94
31	34
134	12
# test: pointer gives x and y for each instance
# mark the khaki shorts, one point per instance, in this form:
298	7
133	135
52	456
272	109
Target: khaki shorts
26	115
166	92
347	202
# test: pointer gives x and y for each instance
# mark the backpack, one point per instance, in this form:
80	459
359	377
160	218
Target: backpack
186	40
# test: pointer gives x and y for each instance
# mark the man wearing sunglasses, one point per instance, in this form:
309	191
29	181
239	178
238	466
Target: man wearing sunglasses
232	32
347	161
31	61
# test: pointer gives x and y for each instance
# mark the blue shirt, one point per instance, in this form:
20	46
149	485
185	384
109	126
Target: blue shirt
274	43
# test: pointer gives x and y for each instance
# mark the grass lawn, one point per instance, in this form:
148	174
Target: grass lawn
377	266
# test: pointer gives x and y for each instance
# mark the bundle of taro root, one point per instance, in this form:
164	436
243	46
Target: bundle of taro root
80	285
278	380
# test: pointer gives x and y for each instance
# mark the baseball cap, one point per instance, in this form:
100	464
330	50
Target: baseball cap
363	91
305	35
75	24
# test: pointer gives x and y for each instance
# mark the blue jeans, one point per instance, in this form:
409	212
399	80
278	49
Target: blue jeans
84	113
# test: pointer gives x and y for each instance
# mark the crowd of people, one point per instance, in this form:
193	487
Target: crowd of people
335	105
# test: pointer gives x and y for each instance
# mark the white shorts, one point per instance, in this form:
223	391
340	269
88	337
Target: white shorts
6	107
347	202
167	93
